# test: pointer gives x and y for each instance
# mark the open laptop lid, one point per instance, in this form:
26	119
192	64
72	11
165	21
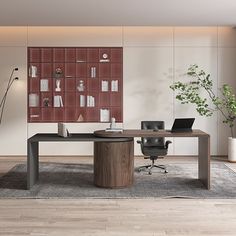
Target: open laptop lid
182	125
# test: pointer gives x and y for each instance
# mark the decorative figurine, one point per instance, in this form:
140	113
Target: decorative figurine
81	86
46	102
58	72
113	123
58	83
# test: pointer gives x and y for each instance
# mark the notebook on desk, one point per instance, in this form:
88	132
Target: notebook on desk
182	125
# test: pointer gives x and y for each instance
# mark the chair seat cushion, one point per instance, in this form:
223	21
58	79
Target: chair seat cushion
154	150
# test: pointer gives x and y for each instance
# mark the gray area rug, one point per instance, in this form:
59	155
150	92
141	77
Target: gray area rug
76	181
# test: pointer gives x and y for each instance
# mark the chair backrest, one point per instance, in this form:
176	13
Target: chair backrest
154	125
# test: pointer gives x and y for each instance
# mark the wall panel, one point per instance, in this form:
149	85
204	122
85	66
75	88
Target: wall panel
153	56
13	129
195	36
148	36
226	72
148	72
75	36
206	58
13	36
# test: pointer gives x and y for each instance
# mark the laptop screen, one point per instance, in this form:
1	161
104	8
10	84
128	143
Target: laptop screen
183	124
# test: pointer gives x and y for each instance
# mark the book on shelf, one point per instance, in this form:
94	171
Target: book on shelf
90	101
58	101
33	100
82	101
104	85
114	85
44	85
33	71
104	115
93	72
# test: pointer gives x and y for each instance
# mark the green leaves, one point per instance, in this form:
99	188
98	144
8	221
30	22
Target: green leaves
189	92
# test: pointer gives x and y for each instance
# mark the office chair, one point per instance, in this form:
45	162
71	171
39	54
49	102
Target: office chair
153	147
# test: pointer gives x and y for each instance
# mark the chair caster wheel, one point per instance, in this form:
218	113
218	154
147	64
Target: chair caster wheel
166	171
149	173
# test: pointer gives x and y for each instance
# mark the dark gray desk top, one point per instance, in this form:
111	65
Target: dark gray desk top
74	137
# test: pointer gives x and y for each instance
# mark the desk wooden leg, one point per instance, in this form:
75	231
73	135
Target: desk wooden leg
204	160
32	164
113	164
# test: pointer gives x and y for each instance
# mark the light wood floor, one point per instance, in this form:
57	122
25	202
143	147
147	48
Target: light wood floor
129	217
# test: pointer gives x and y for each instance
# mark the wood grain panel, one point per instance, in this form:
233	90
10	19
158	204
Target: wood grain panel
113	164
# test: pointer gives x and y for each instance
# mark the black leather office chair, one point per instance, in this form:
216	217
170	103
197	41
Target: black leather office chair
153	147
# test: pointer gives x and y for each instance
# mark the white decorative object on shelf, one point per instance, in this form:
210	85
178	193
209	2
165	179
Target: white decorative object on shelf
44	85
33	100
33	71
104	115
81	86
104	58
104	85
80	118
58	84
114	85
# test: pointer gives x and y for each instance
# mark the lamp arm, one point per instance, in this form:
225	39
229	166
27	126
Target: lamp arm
2	109
4	100
9	84
10	81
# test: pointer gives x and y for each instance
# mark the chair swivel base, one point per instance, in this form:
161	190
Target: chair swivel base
151	166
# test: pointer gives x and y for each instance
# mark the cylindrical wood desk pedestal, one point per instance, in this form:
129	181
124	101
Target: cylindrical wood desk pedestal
114	163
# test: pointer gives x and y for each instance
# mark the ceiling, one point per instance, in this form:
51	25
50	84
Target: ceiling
118	12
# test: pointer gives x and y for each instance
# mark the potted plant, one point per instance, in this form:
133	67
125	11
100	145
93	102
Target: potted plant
207	104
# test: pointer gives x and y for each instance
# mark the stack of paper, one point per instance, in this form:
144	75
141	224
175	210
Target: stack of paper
114	130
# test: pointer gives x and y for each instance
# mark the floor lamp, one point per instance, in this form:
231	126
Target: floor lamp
3	101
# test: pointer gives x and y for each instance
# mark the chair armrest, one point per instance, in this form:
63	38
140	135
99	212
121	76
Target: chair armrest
167	144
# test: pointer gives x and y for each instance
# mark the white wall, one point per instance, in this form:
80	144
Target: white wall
154	57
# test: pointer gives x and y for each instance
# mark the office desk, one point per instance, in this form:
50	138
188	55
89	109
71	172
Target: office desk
114	155
203	147
120	166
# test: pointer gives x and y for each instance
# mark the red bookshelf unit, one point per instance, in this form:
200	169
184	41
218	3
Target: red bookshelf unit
75	84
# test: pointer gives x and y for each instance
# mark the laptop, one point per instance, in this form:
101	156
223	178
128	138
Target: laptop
182	125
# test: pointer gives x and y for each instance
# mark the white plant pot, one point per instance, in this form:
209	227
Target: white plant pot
231	149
